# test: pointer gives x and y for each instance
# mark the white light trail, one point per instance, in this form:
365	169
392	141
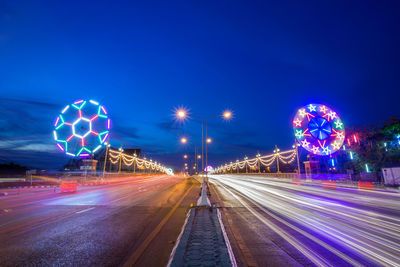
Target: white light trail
349	218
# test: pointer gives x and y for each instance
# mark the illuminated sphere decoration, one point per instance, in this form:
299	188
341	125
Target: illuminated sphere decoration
319	129
81	128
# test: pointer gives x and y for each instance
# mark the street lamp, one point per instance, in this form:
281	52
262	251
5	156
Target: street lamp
183	140
182	114
245	162
120	158
134	163
208	140
276	151
259	162
107	144
185	156
227	114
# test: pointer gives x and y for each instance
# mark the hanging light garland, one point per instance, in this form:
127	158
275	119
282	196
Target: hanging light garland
286	157
116	156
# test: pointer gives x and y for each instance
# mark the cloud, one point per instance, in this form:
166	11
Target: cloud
169	126
126	133
37	147
26	131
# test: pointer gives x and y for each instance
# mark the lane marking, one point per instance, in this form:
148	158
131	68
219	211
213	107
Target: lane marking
85	210
136	255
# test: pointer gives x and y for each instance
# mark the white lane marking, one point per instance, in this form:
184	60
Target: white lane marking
81	211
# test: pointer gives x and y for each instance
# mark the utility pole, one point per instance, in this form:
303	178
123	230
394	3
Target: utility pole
105	159
120	159
206	153
297	155
195	159
202	146
134	163
277	157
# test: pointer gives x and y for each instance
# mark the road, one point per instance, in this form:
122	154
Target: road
132	222
275	223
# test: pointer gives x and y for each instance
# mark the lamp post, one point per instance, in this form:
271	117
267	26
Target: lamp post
183	114
134	163
208	141
277	157
105	158
151	163
296	146
120	158
259	162
245	162
237	166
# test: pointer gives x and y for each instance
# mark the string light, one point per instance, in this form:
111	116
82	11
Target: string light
286	157
115	156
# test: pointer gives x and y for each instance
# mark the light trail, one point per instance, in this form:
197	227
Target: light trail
357	227
26	215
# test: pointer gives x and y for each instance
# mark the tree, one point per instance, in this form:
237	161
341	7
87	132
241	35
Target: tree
377	146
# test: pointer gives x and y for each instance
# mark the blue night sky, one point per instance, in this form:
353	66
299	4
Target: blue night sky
142	59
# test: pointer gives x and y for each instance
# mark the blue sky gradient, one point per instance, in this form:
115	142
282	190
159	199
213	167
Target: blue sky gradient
142	59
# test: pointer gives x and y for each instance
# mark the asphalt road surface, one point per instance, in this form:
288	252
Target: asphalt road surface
134	222
276	223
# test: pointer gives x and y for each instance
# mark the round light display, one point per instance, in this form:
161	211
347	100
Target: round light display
319	129
81	128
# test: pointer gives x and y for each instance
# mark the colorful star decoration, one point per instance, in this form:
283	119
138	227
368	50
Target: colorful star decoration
326	150
332	115
319	129
323	109
299	134
297	122
312	108
305	143
339	124
336	145
315	149
302	112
